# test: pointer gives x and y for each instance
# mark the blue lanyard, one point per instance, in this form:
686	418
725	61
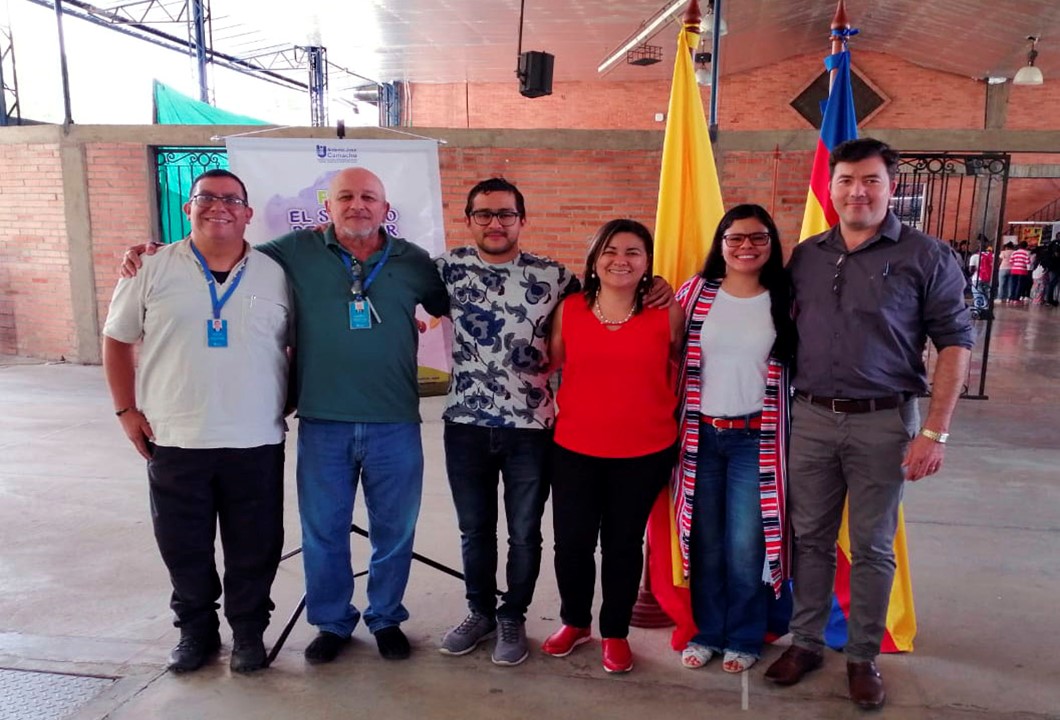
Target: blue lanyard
212	282
355	277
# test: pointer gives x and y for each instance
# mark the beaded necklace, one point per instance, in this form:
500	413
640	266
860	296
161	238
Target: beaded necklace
603	318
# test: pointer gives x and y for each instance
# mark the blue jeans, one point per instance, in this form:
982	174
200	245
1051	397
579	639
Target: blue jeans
332	457
727	546
1004	284
474	457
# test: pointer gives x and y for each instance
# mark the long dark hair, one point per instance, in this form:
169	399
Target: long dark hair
591	283
772	276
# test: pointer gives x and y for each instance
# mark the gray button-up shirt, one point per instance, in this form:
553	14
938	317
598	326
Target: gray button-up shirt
864	316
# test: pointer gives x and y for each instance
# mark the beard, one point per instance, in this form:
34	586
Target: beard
358	234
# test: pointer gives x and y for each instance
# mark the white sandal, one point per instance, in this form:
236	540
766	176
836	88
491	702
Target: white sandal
695	655
737	662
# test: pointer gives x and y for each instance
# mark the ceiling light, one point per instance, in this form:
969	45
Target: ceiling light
1028	74
653	25
643	34
703	75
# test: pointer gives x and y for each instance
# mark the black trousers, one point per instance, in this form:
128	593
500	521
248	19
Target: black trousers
607	499
194	491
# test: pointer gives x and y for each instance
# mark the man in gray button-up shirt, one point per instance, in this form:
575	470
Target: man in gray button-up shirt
868	293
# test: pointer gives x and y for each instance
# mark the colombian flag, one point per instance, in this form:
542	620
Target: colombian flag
688	213
840	124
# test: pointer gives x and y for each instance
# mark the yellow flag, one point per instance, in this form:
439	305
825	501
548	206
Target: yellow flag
689	194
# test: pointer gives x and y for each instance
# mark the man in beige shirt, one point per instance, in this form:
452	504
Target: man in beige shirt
204	407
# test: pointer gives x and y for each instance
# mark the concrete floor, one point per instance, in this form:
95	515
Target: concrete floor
83	592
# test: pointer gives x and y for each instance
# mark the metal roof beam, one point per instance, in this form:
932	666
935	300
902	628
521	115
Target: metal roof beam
84	11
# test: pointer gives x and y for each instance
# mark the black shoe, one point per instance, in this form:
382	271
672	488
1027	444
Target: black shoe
393	645
192	652
248	653
325	647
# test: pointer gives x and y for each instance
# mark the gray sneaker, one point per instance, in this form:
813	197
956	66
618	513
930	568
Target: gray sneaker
466	636
511	647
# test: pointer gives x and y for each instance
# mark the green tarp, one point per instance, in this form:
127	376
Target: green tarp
178	166
173	108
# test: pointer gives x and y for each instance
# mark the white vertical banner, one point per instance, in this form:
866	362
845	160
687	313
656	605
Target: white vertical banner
287	182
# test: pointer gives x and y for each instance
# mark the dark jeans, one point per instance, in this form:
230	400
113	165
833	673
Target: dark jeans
1052	279
730	602
192	491
474	458
609	499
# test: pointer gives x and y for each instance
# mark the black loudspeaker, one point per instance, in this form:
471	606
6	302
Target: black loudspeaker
535	74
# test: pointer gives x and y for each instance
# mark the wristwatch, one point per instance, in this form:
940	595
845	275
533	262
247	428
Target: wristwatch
938	437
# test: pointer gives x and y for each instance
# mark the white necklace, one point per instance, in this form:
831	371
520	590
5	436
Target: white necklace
603	318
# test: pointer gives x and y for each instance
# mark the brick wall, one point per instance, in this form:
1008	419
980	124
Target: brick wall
754	100
120	191
1026	195
35	314
569	194
1034	108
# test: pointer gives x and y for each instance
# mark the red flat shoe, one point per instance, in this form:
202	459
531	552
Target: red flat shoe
562	642
618	658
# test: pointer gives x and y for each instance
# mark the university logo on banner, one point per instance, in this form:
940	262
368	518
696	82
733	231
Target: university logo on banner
287	183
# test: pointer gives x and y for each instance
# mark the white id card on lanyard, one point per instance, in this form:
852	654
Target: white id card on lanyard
216	326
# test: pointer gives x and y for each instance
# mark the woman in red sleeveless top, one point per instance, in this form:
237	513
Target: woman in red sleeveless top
615	434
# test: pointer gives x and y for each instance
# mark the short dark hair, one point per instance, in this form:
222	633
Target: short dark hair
591	283
495	184
219	173
773	277
862	149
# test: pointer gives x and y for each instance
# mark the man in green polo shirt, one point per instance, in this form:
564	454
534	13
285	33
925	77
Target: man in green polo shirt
356	289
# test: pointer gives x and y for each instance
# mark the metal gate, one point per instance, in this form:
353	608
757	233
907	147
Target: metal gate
176	168
960	199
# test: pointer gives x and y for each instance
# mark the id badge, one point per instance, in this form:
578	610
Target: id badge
216	333
360	315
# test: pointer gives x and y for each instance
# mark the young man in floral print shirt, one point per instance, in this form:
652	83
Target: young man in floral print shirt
499	412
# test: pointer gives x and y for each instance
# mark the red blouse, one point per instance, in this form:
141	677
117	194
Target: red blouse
616	399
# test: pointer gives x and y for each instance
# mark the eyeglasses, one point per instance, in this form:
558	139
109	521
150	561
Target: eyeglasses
735	240
506	218
230	201
837	281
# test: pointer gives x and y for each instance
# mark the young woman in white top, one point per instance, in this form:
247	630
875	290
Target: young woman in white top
733	435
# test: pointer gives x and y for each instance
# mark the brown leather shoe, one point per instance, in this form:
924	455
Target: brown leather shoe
866	685
793	664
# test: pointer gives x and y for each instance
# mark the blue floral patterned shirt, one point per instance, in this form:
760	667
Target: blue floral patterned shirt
501	316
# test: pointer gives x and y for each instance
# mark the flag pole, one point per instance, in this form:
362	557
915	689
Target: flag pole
840	28
647	613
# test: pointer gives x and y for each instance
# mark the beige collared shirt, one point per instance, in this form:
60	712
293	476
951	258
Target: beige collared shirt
197	396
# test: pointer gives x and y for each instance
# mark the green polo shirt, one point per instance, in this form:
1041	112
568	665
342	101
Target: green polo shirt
356	375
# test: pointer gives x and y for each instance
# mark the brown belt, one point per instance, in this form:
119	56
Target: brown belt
846	405
746	422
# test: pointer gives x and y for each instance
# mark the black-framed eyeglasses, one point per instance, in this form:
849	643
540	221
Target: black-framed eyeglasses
837	281
506	218
735	240
206	200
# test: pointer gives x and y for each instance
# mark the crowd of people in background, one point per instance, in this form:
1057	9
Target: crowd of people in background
1025	275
